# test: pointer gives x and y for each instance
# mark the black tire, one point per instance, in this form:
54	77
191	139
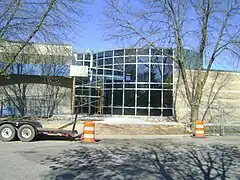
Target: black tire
7	132
26	133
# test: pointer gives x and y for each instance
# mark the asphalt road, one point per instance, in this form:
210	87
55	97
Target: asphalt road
165	158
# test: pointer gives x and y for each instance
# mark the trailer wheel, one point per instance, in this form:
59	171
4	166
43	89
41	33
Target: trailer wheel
7	132
26	133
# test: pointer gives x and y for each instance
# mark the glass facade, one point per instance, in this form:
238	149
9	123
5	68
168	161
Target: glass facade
135	82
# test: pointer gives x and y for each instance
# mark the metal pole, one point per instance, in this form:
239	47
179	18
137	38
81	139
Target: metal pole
73	93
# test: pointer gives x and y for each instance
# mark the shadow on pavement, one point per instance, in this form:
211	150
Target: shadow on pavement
128	161
53	138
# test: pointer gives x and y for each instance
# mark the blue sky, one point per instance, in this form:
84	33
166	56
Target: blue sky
91	36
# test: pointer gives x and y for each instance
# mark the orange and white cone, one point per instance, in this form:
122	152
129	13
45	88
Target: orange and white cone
199	129
89	131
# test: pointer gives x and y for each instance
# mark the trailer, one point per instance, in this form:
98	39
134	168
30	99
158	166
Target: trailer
27	130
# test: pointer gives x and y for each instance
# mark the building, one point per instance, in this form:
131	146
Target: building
135	81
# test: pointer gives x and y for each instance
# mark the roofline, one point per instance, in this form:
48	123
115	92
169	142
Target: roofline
11	41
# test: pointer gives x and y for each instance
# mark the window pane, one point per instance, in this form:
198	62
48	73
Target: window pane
167	99
108	61
100	62
108	86
167	86
156	86
142	85
80	56
143	51
118	60
143	73
167	60
155	112
117	97
156	59
129	99
87	56
119	52
130	72
108	53
131	59
143	112
117	111
100	55
129	85
118	67
143	59
142	98
109	67
94	56
106	110
129	111
167	112
167	73
155	98
86	63
130	52
156	51
100	71
107	97
108	72
118	85
156	73
168	52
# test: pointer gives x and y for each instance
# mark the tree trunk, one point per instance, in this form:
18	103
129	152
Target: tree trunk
194	115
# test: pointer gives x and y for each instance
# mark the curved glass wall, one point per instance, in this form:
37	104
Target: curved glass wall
136	81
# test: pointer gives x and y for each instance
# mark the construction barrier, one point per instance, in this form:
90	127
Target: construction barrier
199	129
89	131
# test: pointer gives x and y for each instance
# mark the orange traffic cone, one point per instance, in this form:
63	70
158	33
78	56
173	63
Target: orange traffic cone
89	131
199	129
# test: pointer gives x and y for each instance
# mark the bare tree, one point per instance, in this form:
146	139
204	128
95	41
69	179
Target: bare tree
27	21
208	27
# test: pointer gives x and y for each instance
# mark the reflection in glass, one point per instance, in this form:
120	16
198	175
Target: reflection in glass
119	52
155	59
167	99
107	97
130	52
118	60
142	112
143	73
129	99
143	59
108	53
130	72
100	55
129	111
167	73
143	51
118	67
142	98
155	112
108	61
156	73
156	51
167	60
131	59
155	98
117	110
167	112
117	97
100	62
